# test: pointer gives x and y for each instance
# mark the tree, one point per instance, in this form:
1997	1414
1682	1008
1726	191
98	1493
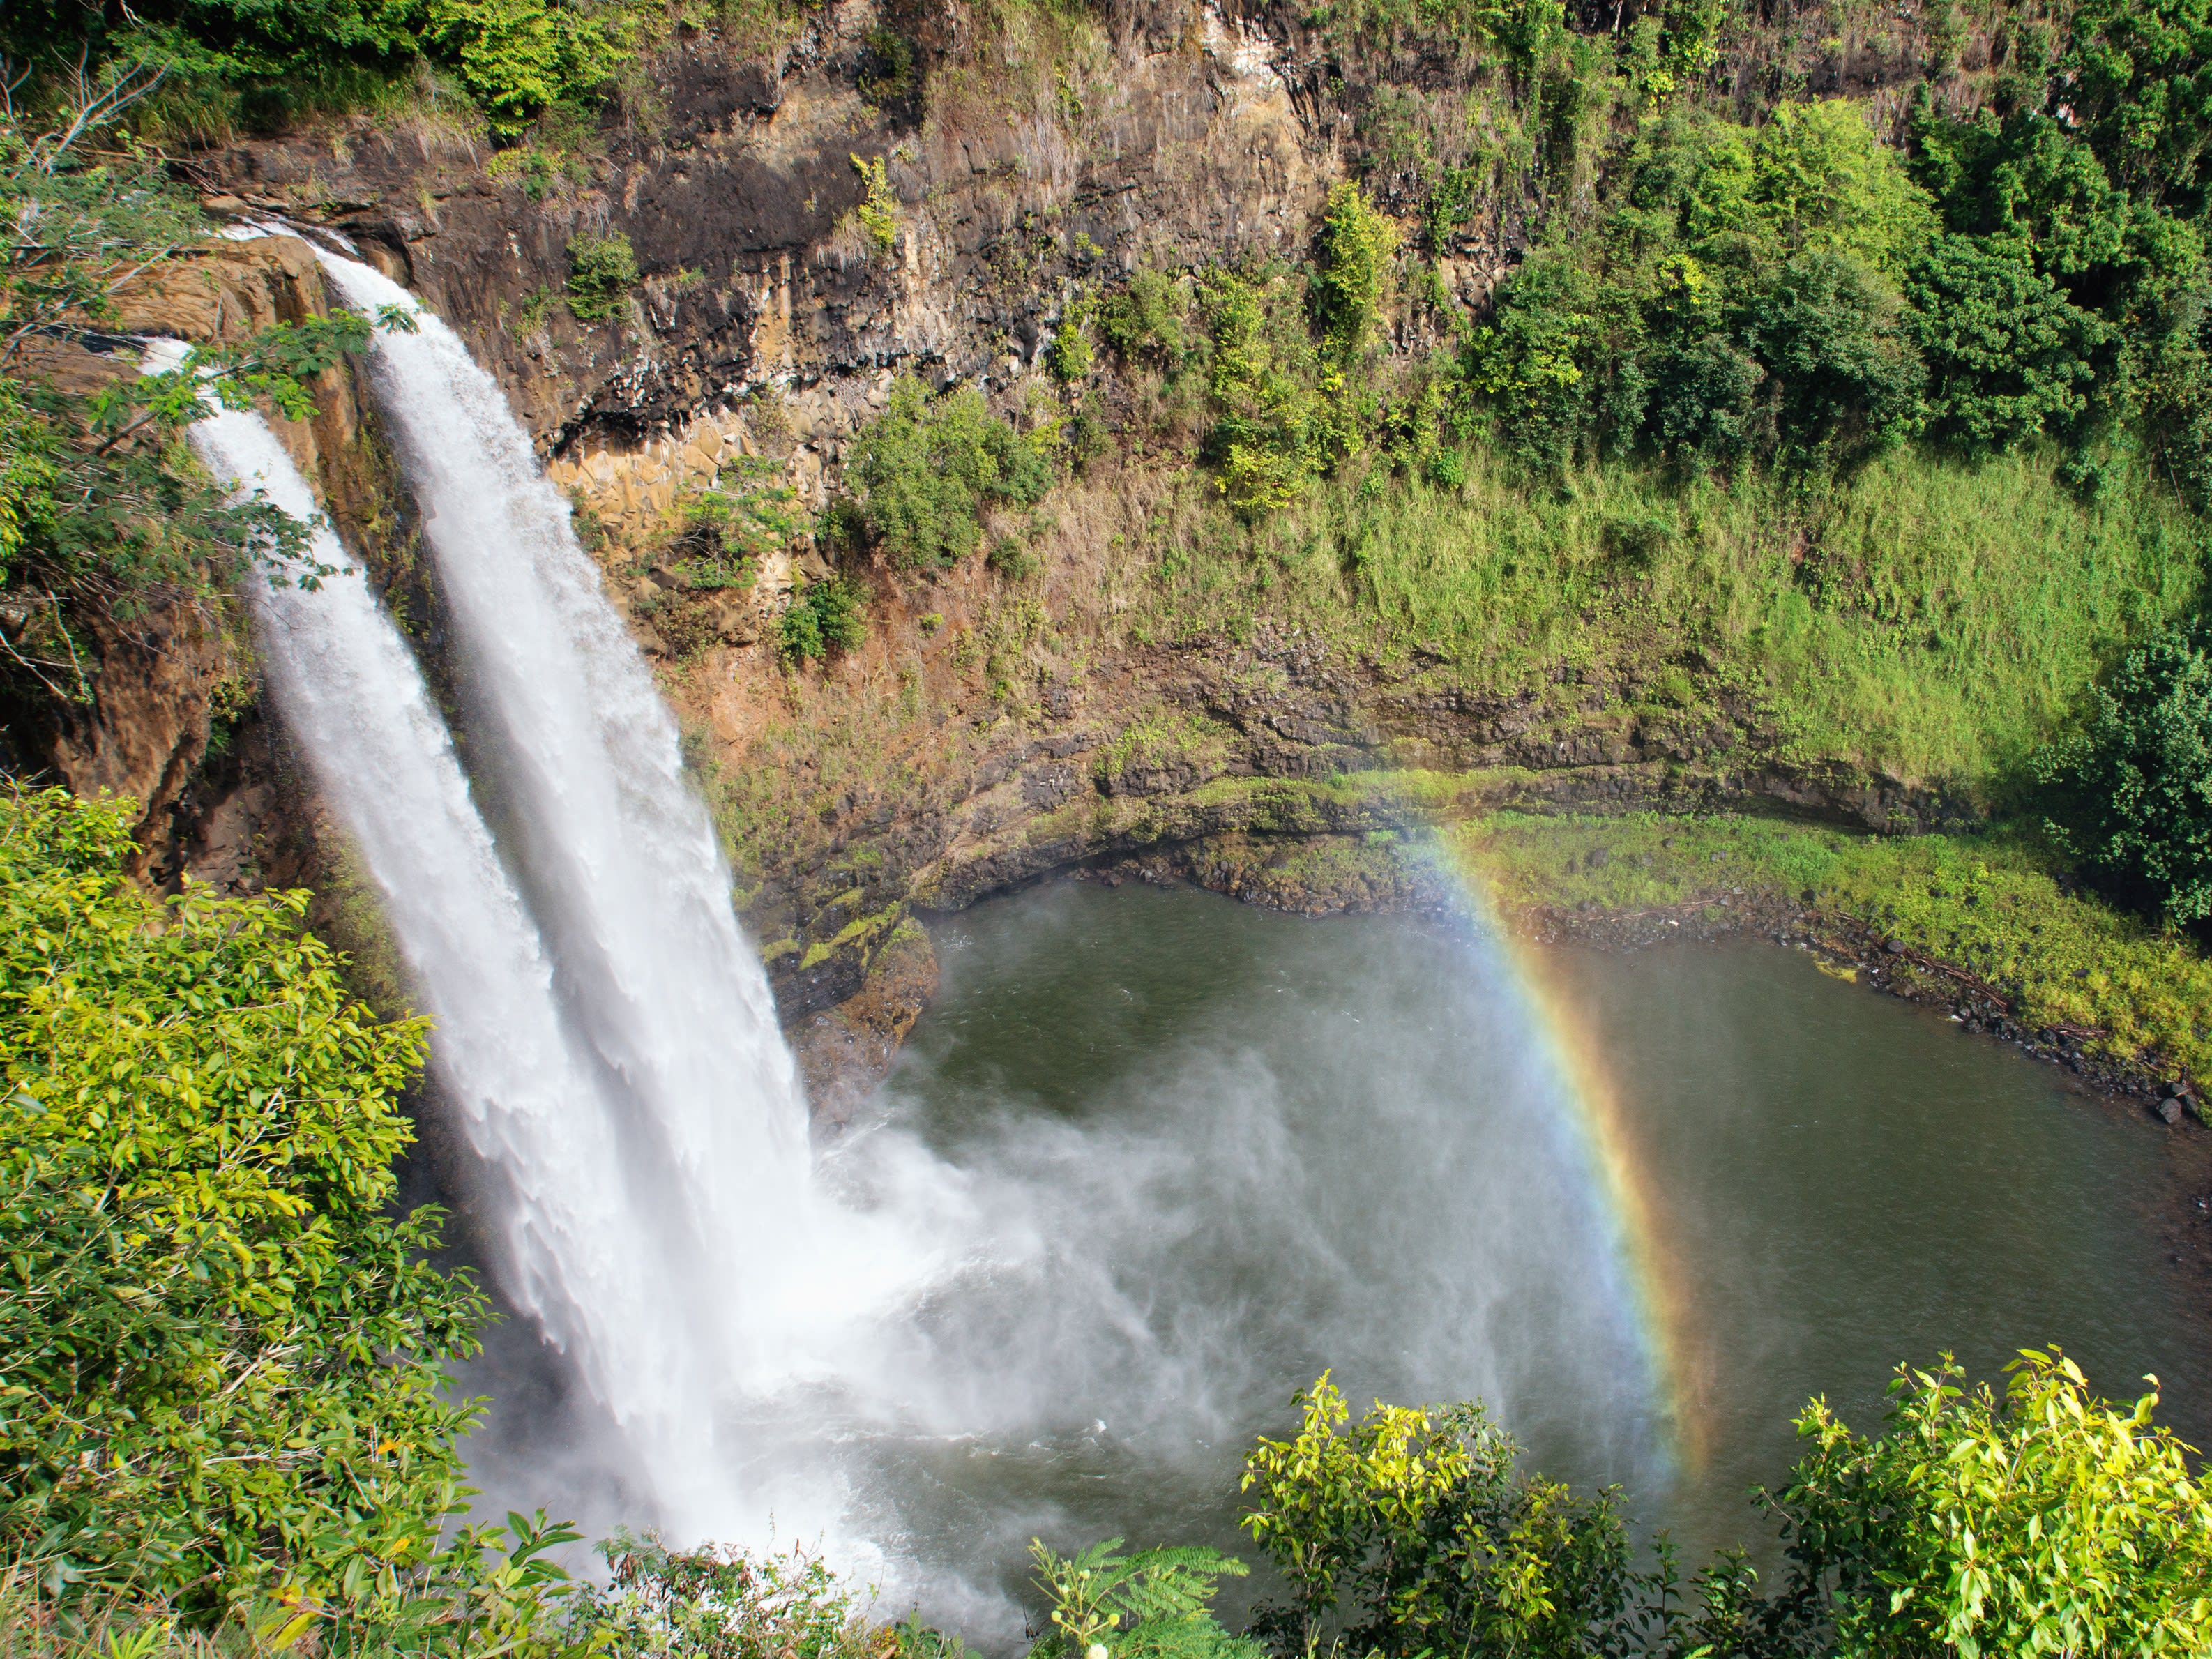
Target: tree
1843	377
2042	1522
2009	355
221	1351
2132	792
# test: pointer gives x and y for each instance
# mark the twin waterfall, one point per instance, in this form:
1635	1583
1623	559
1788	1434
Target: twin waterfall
604	1033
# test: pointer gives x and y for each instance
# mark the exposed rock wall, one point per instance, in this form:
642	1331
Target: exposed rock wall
991	732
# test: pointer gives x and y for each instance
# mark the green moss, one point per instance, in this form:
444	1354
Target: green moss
855	934
1991	904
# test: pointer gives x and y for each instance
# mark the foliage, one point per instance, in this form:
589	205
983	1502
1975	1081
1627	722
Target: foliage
716	1603
518	58
74	231
1069	358
1271	436
924	471
749	513
1739	299
2135	788
222	1350
2143	93
1416	1521
1143	322
2009	357
878	213
2042	1522
1352	253
1148	1604
496	1591
102	509
602	272
2046	1522
824	617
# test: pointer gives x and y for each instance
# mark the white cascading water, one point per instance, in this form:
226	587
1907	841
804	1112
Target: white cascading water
625	877
354	700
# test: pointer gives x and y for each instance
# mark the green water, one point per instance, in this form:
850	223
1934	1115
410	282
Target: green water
1245	1145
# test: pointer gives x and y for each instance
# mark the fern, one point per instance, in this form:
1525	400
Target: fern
1152	1604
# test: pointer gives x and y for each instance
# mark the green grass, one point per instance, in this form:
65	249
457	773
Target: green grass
1931	618
1991	904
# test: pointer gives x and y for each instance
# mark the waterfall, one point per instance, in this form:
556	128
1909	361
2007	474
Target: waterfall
620	865
562	1210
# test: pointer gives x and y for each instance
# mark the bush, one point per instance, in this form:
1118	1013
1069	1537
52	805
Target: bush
602	271
925	469
2044	1522
878	213
824	617
1416	1524
2009	355
1270	440
518	58
1145	322
220	1350
1068	357
1351	271
2134	791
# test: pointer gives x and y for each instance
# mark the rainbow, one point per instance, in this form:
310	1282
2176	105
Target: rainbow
1652	1272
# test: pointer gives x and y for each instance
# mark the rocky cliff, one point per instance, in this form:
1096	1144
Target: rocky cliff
927	191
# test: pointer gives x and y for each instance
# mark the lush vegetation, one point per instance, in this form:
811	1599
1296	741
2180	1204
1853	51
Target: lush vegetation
230	62
219	1409
925	470
220	1349
2038	1520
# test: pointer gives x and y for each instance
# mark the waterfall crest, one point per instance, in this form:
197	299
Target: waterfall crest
353	698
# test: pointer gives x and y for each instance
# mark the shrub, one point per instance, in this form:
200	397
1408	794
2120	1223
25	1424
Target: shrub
518	58
923	469
2010	355
219	1344
1069	358
825	617
2134	790
1529	361
1352	271
1145	321
878	213
602	271
1417	1523
1270	440
2044	1522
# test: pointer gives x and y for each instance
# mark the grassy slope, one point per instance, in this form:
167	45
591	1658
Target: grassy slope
1930	619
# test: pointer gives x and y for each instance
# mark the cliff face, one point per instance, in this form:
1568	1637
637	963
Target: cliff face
991	731
169	673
